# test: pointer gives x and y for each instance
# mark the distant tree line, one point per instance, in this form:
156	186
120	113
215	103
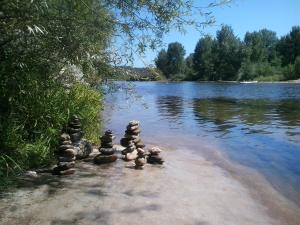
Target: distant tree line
261	55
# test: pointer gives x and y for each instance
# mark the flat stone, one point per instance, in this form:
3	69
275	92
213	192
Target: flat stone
66	159
70	153
131	128
67	172
64	147
124	142
155	159
65	142
107	151
133	123
65	165
131	137
140	144
102	159
133	132
74	130
76	137
64	137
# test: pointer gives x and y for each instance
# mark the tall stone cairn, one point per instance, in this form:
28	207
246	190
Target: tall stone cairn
107	152
66	156
132	140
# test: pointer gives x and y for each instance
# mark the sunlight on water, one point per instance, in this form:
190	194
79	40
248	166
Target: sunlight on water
257	125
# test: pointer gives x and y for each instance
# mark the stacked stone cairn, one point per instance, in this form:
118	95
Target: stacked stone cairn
132	141
66	156
140	161
82	147
107	152
154	156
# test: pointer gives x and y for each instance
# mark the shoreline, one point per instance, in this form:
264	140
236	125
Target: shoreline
191	188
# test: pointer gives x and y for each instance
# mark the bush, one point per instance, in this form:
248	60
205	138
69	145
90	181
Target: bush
29	134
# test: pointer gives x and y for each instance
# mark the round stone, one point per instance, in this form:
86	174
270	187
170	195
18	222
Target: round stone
131	156
154	151
140	161
64	137
131	128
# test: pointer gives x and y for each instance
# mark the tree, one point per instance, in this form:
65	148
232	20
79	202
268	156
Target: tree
228	54
176	63
289	46
204	59
161	61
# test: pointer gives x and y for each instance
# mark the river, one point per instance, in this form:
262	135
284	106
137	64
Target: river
231	151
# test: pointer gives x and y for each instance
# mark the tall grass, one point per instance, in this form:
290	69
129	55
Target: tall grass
30	131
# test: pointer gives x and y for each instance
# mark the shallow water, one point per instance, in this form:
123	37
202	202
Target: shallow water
256	125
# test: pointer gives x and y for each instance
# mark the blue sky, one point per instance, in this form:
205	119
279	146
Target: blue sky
243	16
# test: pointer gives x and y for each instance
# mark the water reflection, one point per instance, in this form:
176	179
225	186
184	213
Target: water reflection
254	116
170	107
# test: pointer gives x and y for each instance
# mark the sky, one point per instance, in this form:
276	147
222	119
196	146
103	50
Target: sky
242	16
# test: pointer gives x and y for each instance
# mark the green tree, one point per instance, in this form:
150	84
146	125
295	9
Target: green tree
228	54
289	46
204	59
176	63
161	61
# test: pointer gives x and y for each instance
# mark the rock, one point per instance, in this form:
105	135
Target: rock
65	165
132	128
154	151
140	144
133	123
64	147
107	151
76	137
102	159
69	153
133	132
131	156
83	149
155	159
140	163
30	174
66	159
65	143
74	130
63	172
64	137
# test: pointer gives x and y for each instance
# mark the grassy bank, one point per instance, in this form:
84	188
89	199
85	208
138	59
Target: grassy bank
29	133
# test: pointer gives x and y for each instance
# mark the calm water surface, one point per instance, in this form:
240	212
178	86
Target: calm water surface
256	125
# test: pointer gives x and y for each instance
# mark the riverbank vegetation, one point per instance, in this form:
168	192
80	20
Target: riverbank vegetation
54	56
260	56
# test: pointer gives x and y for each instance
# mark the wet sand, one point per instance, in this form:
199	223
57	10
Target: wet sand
189	189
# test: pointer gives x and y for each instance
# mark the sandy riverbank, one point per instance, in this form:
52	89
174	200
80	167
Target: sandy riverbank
188	189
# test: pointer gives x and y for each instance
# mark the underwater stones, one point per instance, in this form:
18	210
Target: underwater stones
107	152
66	159
140	161
154	156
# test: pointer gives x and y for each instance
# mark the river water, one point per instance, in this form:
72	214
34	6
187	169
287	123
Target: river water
255	125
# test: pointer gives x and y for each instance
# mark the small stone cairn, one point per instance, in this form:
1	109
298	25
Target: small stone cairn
82	147
66	156
132	141
107	152
140	161
154	156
